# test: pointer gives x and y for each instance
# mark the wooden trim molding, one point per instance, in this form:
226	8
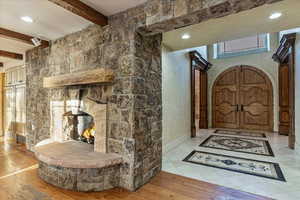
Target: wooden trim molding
11	55
20	37
81	9
95	76
202	65
199	62
283	51
285	55
2	108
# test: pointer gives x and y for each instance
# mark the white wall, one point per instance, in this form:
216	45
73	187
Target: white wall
13	64
176	96
262	61
297	93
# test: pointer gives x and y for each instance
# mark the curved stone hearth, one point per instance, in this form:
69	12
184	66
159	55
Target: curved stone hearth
75	166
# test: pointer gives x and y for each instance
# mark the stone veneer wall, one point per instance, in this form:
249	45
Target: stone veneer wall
167	15
84	180
134	101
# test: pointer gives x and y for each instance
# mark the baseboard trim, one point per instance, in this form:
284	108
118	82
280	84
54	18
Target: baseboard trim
171	145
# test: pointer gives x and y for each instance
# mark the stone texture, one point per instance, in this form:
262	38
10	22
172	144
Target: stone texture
130	46
65	127
78	179
181	13
75	154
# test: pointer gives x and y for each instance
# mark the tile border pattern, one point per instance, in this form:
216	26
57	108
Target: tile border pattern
240	133
280	176
267	145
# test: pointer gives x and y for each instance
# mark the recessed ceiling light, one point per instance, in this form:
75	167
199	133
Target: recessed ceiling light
27	19
186	36
275	15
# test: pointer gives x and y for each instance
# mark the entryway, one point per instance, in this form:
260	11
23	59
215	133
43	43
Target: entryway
209	172
242	98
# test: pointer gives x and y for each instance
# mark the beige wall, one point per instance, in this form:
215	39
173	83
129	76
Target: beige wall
176	96
262	61
297	93
176	100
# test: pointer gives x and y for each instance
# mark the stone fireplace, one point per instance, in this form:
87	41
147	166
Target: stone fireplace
75	156
79	126
80	119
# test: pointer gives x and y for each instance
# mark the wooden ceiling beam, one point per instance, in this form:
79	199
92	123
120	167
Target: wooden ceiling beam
11	55
81	9
20	37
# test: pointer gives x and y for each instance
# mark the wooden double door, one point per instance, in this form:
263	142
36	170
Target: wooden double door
243	99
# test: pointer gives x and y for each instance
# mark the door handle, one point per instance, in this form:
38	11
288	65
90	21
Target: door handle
237	108
242	108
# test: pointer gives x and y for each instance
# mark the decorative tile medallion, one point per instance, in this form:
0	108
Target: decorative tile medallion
238	144
240	133
237	164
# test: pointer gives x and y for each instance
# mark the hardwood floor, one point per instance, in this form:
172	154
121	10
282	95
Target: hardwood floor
19	181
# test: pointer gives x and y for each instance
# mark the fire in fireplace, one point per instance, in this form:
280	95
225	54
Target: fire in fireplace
79	126
88	134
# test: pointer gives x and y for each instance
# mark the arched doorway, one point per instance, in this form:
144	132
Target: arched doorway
243	99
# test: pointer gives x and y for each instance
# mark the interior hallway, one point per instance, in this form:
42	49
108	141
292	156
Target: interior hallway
288	160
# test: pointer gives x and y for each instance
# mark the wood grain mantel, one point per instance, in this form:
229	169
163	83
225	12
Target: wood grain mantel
80	78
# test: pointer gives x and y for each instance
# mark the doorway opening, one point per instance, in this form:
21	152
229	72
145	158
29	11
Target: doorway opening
246	106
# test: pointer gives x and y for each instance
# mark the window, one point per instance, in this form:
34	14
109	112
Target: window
248	45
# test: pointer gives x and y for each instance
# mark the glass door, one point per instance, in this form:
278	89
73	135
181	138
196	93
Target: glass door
9	113
20	110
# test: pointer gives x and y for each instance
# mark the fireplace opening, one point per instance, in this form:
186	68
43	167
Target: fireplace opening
79	126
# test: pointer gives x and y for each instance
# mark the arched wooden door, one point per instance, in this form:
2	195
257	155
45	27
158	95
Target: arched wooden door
243	99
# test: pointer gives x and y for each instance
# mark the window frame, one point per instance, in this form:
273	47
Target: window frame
218	55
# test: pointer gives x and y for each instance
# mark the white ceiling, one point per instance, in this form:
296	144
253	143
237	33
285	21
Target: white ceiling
110	7
50	21
12	46
238	25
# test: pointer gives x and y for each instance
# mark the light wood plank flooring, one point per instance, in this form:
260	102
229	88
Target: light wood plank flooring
19	181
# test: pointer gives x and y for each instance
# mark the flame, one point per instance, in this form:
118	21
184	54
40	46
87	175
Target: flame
89	132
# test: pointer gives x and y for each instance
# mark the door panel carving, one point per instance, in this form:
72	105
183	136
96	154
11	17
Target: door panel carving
203	118
255	94
225	100
257	99
243	98
284	117
225	95
250	76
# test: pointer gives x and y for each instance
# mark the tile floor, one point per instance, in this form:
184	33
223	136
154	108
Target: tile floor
288	160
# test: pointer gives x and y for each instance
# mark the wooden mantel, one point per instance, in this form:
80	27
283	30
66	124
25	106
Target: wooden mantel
95	76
